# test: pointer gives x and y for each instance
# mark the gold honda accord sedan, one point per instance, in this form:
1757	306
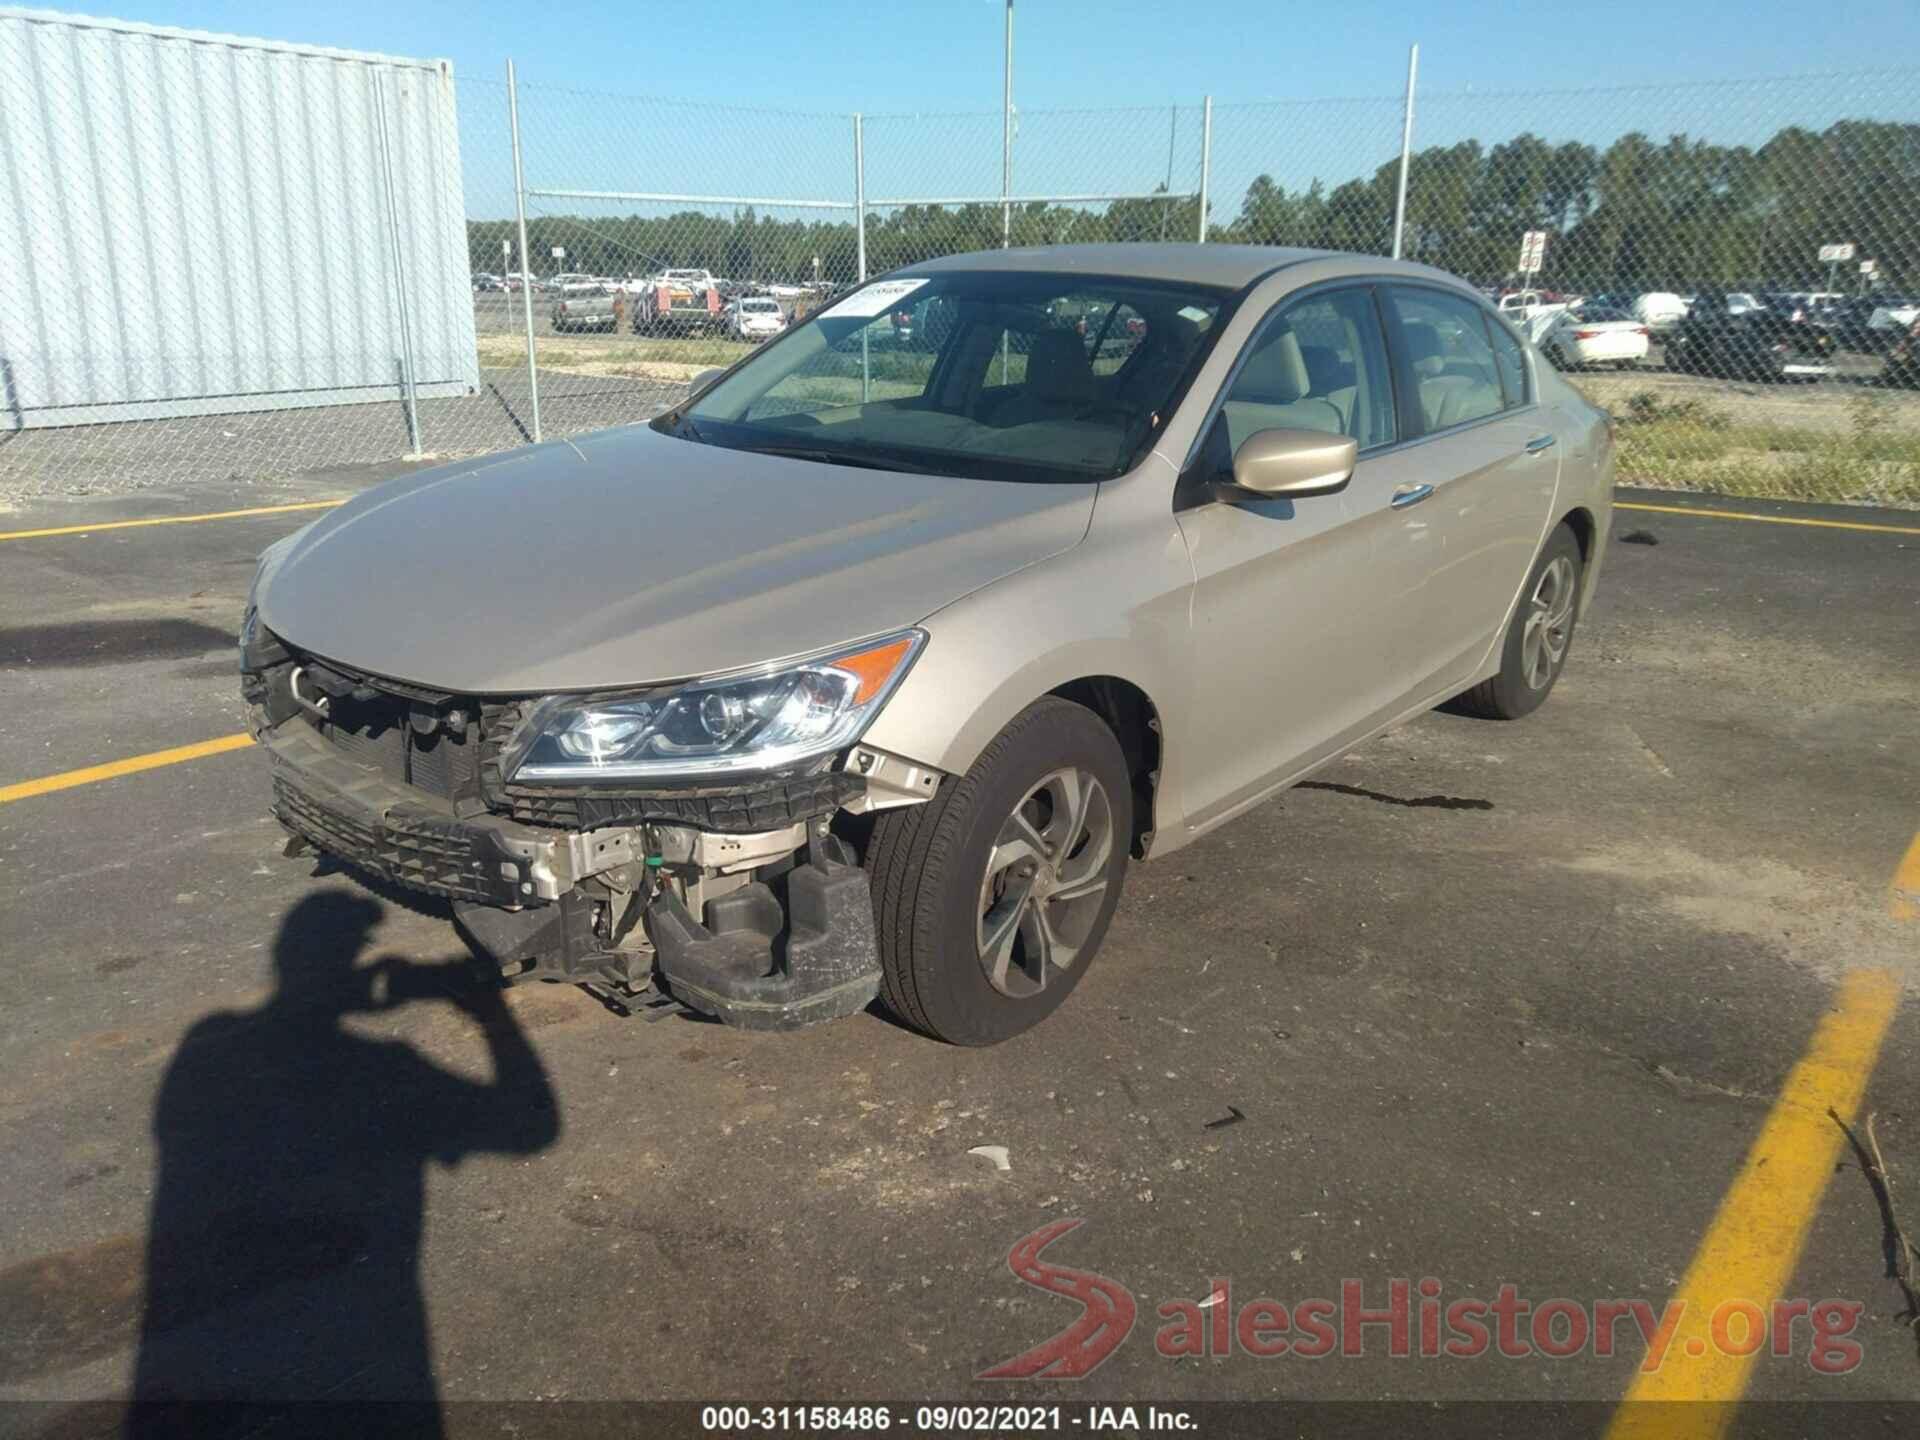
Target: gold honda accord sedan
865	670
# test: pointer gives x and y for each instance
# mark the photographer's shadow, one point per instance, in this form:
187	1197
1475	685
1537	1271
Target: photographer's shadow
284	1247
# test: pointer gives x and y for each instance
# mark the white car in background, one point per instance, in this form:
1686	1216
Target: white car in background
1894	318
1660	309
1595	335
756	317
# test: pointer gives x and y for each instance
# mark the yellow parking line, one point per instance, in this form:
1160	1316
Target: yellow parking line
1763	519
47	784
1746	1261
1903	894
168	520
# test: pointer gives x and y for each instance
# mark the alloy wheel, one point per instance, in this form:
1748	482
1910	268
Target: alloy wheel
1046	879
1549	623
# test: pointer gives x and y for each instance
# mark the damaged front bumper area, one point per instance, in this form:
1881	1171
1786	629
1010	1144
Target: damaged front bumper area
764	929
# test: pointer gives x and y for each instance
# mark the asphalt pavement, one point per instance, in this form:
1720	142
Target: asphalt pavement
1481	1005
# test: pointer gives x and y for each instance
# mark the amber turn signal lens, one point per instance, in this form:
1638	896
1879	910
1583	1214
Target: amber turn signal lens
875	667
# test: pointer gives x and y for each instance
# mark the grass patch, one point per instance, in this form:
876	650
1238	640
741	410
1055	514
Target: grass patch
613	355
1687	444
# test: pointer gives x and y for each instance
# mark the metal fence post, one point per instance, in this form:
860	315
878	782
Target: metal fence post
526	274
1406	152
1206	161
860	196
1006	150
399	267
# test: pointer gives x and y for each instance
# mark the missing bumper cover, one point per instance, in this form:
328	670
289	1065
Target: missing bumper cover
760	966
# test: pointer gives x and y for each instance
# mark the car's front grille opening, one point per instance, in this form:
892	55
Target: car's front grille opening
405	741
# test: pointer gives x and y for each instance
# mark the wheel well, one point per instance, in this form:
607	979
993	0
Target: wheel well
1581	523
1136	724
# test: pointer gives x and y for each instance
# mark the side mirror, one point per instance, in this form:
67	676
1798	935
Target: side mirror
704	379
1292	464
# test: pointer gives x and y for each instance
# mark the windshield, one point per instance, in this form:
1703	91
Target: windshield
760	307
991	375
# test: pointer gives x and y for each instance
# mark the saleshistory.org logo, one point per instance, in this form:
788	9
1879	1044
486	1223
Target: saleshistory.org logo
1412	1321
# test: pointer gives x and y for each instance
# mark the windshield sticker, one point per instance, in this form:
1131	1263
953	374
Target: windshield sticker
876	299
1191	312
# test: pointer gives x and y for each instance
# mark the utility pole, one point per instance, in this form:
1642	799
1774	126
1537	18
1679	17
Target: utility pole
1006	142
1406	154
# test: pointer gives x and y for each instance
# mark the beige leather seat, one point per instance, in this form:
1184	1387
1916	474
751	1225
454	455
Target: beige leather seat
1272	393
1059	381
1446	398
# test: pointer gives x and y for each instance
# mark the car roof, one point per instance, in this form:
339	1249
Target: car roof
1225	266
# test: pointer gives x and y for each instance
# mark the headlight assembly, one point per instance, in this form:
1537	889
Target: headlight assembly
766	720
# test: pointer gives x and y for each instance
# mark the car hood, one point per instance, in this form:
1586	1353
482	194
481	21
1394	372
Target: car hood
630	557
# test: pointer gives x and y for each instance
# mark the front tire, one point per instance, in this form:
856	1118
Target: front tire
1538	637
991	899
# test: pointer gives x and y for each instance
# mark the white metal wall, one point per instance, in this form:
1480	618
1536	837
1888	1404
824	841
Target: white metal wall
198	224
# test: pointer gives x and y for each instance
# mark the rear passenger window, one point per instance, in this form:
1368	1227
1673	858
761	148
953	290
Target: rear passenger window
1318	364
1455	376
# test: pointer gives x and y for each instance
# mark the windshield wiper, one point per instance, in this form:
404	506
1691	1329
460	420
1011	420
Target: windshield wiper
824	457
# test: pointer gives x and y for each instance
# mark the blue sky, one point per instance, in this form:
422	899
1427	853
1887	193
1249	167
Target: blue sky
910	55
1699	67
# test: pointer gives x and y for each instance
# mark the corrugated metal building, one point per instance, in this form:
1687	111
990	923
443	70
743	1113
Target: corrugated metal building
196	224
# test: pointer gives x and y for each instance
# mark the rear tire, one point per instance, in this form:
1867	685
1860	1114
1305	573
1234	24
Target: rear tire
1538	638
992	898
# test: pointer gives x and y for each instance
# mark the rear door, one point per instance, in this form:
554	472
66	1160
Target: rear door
1475	488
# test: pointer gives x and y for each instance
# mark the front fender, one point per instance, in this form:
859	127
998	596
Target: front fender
1115	605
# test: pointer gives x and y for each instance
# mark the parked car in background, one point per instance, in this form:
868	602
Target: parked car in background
679	302
1852	327
755	318
1892	318
1903	360
519	280
1532	312
1747	343
812	691
1594	335
584	306
1659	310
485	282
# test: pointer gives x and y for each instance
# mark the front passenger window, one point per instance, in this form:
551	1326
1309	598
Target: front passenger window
1318	364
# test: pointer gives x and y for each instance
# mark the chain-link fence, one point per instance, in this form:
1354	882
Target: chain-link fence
1729	267
251	261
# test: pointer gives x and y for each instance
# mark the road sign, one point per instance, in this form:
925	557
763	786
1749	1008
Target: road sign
559	252
506	249
1533	251
1868	267
1832	254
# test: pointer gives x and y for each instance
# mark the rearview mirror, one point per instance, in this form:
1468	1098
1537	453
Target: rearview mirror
1294	463
704	379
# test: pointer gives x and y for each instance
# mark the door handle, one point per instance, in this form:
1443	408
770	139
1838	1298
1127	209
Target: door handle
1542	442
1409	495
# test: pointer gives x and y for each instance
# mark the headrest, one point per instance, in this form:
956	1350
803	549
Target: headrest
1423	347
1276	373
1327	371
1058	367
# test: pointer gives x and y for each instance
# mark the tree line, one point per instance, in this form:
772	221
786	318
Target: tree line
1635	214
